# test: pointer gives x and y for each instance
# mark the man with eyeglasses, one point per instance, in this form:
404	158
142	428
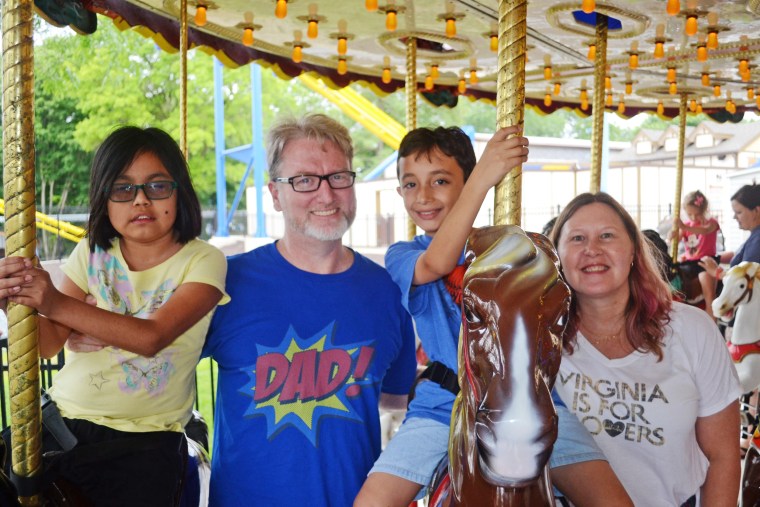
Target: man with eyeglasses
314	339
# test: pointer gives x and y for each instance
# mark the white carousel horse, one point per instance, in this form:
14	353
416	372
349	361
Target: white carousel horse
740	299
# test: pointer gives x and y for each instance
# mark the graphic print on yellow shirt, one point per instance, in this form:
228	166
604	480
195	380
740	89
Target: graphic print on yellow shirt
301	380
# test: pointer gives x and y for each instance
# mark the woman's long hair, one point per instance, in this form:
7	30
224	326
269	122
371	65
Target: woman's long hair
650	301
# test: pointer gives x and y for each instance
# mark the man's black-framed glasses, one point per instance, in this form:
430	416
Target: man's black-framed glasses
311	182
154	190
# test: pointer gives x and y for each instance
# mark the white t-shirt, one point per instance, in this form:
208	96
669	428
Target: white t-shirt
642	413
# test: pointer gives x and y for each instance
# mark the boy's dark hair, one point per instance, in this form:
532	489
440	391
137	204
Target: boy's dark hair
748	196
114	156
451	141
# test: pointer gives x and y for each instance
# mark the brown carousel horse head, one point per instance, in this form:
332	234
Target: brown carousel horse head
504	423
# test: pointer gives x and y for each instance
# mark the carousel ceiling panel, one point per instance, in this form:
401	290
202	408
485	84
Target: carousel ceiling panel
558	36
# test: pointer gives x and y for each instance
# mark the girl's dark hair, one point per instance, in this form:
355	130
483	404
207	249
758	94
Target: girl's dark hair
451	141
650	300
748	196
118	151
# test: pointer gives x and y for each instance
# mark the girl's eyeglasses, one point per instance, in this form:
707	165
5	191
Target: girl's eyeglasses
154	190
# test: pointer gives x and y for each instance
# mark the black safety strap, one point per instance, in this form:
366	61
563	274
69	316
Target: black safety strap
440	374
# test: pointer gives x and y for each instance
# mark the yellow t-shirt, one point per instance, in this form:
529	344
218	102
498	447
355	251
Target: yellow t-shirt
120	389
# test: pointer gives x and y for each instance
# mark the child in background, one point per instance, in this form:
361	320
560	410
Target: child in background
443	190
700	237
156	286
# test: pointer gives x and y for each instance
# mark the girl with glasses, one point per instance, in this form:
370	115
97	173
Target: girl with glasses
129	386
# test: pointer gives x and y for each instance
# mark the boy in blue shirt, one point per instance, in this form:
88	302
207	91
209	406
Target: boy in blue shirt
443	189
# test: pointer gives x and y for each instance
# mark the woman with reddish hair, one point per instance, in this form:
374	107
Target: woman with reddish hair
649	378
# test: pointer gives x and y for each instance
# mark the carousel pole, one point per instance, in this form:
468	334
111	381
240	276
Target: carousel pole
411	107
20	230
183	77
510	100
679	175
597	129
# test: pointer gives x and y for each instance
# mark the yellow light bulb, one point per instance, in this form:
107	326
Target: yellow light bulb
745	76
608	100
494	42
281	9
691	26
750	93
342	66
557	88
312	30
692	105
434	71
200	15
248	36
743	65
628	88
659	50
386	75
342	46
548	99
671	74
297	54
547	72
672	89
451	27
588	6
584	104
462	86
712	40
473	77
701	53
607	83
660	108
673	7
699	108
621	107
716	90
584	95
370	5
391	22
591	52
428	82
757	101
705	79
633	61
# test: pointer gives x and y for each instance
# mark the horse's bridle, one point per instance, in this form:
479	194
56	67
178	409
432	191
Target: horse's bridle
747	290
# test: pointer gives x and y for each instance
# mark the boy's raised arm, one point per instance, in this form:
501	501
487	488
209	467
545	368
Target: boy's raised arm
502	154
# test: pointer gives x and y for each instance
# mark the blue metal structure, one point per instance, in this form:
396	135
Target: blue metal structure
253	154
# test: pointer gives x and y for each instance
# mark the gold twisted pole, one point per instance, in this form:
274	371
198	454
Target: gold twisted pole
597	128
183	77
411	106
510	100
18	184
679	174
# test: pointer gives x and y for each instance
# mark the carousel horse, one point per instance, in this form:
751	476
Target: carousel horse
504	423
740	300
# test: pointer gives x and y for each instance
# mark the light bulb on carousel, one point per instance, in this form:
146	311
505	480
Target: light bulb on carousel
693	105
248	28
200	14
691	13
701	48
547	67
716	90
386	76
659	41
673	88
370	5
312	29
342	37
548	97
673	7
391	19
584	95
342	66
451	20
493	37
660	108
473	71
712	30
462	85
297	54
281	9
633	55
621	105
705	76
591	55
557	88
588	6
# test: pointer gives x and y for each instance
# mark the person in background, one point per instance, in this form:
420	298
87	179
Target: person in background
314	339
651	379
700	238
443	189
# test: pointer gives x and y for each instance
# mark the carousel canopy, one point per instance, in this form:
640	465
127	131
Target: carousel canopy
657	50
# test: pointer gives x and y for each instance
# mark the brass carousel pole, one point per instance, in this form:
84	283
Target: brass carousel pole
183	76
411	106
510	100
597	129
679	174
20	231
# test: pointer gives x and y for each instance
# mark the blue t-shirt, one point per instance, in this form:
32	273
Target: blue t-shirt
437	318
302	360
750	250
